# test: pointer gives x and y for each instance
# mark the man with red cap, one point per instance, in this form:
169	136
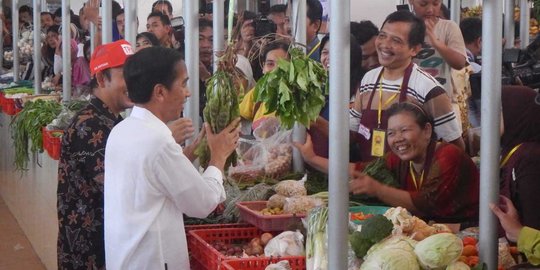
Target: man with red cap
81	170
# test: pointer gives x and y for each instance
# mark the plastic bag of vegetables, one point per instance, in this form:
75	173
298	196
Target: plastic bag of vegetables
287	243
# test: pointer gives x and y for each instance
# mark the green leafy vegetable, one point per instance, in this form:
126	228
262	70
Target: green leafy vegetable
373	230
26	128
316	247
295	90
378	170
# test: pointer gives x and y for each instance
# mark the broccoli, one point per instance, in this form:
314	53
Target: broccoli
373	231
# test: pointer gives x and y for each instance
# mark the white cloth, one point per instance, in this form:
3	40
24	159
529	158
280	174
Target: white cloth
57	65
149	184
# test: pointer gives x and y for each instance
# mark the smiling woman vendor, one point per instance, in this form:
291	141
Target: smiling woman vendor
438	181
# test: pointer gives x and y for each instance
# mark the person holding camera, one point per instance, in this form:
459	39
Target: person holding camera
159	24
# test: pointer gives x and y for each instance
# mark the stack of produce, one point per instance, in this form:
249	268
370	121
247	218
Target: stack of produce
290	198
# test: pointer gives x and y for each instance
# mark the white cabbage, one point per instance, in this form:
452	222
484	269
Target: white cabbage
438	250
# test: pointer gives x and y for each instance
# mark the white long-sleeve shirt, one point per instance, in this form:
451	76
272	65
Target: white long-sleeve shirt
149	184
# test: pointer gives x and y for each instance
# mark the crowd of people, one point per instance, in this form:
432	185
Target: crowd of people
124	184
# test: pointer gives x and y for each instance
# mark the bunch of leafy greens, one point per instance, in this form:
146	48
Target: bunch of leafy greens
26	129
378	170
295	90
220	110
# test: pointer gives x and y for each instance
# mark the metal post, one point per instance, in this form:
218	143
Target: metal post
37	46
191	15
93	32
218	21
299	30
509	24
455	10
490	148
130	9
339	144
524	15
15	41
106	21
66	50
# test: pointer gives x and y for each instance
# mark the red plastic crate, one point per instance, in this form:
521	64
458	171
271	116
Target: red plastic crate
206	254
250	213
10	107
296	263
45	138
52	144
55	146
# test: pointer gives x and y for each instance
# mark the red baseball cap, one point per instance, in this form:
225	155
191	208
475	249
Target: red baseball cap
110	55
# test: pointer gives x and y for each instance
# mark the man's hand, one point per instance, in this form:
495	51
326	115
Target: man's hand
204	73
91	11
508	216
223	144
189	150
182	129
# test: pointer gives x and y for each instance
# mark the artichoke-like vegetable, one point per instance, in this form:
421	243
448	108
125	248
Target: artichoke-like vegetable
438	250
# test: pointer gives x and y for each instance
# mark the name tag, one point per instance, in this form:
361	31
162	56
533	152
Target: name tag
377	144
364	131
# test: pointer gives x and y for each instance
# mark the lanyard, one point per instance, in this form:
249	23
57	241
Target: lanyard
414	176
316	47
381	106
402	91
509	155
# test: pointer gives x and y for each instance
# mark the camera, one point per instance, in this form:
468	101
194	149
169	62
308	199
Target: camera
262	24
179	30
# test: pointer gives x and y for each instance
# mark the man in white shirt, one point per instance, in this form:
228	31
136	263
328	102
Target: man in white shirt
149	182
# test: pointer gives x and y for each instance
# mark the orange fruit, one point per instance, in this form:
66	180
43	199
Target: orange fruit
469	250
469	240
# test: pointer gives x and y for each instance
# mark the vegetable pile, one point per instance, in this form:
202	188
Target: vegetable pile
373	231
26	127
221	104
295	90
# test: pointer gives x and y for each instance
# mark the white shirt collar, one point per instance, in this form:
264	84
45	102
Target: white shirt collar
148	117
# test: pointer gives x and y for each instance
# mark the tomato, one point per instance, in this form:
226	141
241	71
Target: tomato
469	250
469	240
473	261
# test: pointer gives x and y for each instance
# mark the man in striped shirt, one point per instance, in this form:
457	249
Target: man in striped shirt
400	80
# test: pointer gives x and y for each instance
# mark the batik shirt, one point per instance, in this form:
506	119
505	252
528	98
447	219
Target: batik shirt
80	188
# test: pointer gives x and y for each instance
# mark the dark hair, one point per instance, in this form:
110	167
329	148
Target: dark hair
205	23
93	82
420	116
445	12
275	45
279	8
54	28
159	2
417	31
356	71
364	31
162	17
150	36
471	28
116	8
26	9
120	12
149	67
314	11
58	12
43	13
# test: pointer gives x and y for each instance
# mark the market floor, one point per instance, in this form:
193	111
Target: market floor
16	253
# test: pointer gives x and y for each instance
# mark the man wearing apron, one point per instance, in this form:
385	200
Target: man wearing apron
399	80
